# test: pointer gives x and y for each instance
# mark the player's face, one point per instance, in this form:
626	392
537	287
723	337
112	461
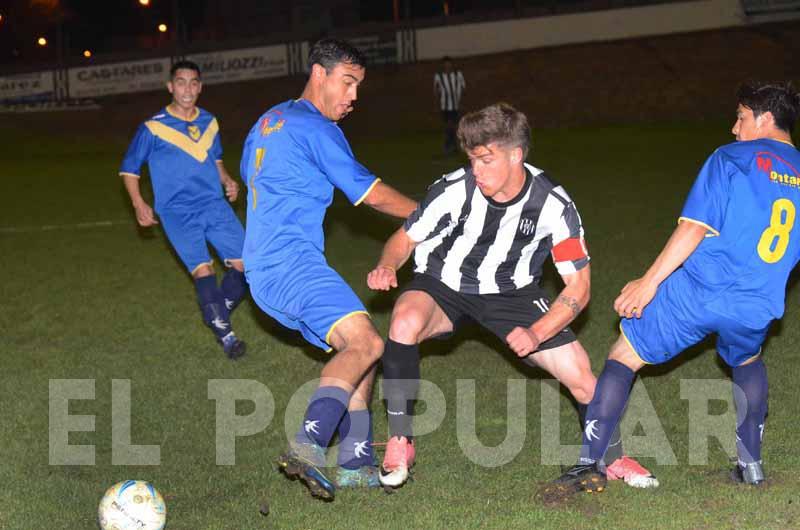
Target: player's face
497	170
747	126
339	89
185	87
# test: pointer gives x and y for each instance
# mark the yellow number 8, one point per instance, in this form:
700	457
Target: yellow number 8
777	229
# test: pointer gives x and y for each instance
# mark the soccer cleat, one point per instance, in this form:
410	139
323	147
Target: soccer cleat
752	474
233	347
363	477
580	477
632	472
305	461
398	460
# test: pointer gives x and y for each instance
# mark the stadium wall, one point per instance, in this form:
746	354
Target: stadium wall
615	24
407	45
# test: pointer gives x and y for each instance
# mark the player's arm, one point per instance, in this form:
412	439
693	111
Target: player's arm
563	310
144	213
388	200
637	294
230	185
395	253
138	152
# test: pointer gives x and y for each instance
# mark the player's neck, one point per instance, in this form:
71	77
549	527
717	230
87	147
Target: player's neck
781	136
514	186
312	96
187	114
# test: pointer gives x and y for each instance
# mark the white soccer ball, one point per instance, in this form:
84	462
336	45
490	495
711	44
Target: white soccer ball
132	505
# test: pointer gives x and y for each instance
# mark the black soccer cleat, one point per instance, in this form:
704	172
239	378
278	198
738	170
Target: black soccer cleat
752	474
581	477
233	347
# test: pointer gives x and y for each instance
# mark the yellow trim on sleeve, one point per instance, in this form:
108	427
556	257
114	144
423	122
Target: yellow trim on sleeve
714	231
622	334
375	182
197	150
333	326
126	174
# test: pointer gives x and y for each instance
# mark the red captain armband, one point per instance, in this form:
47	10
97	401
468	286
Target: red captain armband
571	249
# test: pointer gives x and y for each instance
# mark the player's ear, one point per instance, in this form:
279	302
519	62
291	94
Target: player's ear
169	86
516	155
317	71
765	119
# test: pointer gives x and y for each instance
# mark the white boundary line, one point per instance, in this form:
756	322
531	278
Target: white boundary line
50	228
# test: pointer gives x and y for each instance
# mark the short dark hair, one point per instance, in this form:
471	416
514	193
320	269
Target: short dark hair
184	65
330	52
781	99
499	123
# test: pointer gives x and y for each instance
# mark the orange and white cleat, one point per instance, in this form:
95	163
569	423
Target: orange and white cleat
632	472
397	461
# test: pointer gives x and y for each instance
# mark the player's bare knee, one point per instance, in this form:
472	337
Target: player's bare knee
406	326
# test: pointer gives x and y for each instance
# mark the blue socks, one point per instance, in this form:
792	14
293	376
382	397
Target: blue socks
325	411
212	305
751	409
605	409
355	440
233	287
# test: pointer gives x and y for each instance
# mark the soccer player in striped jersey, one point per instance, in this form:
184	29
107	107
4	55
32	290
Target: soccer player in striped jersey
724	271
448	87
182	148
480	238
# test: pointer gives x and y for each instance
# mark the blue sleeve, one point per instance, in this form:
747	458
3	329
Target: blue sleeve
708	198
138	152
216	148
334	157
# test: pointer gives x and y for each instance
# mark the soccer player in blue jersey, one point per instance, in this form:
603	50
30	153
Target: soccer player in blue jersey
724	270
294	157
181	146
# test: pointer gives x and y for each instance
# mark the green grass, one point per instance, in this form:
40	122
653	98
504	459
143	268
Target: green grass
112	302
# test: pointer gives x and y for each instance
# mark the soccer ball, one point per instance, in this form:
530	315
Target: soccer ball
132	505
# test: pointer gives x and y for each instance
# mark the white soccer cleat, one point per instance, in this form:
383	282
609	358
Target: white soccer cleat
397	461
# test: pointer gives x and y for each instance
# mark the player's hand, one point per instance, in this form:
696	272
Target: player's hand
144	214
522	341
231	190
382	278
634	298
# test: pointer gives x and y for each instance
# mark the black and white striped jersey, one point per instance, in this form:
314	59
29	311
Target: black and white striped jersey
475	245
450	86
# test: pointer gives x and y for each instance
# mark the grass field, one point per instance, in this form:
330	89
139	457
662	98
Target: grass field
87	295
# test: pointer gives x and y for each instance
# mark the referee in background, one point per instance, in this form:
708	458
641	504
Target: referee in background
448	87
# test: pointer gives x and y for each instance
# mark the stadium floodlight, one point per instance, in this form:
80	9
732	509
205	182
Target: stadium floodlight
162	28
87	53
41	41
145	3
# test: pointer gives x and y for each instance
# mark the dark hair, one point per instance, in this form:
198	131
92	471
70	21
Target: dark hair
499	123
781	99
330	52
183	65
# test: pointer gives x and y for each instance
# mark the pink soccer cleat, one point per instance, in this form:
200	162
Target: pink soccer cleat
632	472
397	461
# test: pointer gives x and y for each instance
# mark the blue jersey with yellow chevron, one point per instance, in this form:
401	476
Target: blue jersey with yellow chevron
747	194
293	158
181	155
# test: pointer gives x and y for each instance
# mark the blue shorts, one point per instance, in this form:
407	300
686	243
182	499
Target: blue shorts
305	294
675	320
189	232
